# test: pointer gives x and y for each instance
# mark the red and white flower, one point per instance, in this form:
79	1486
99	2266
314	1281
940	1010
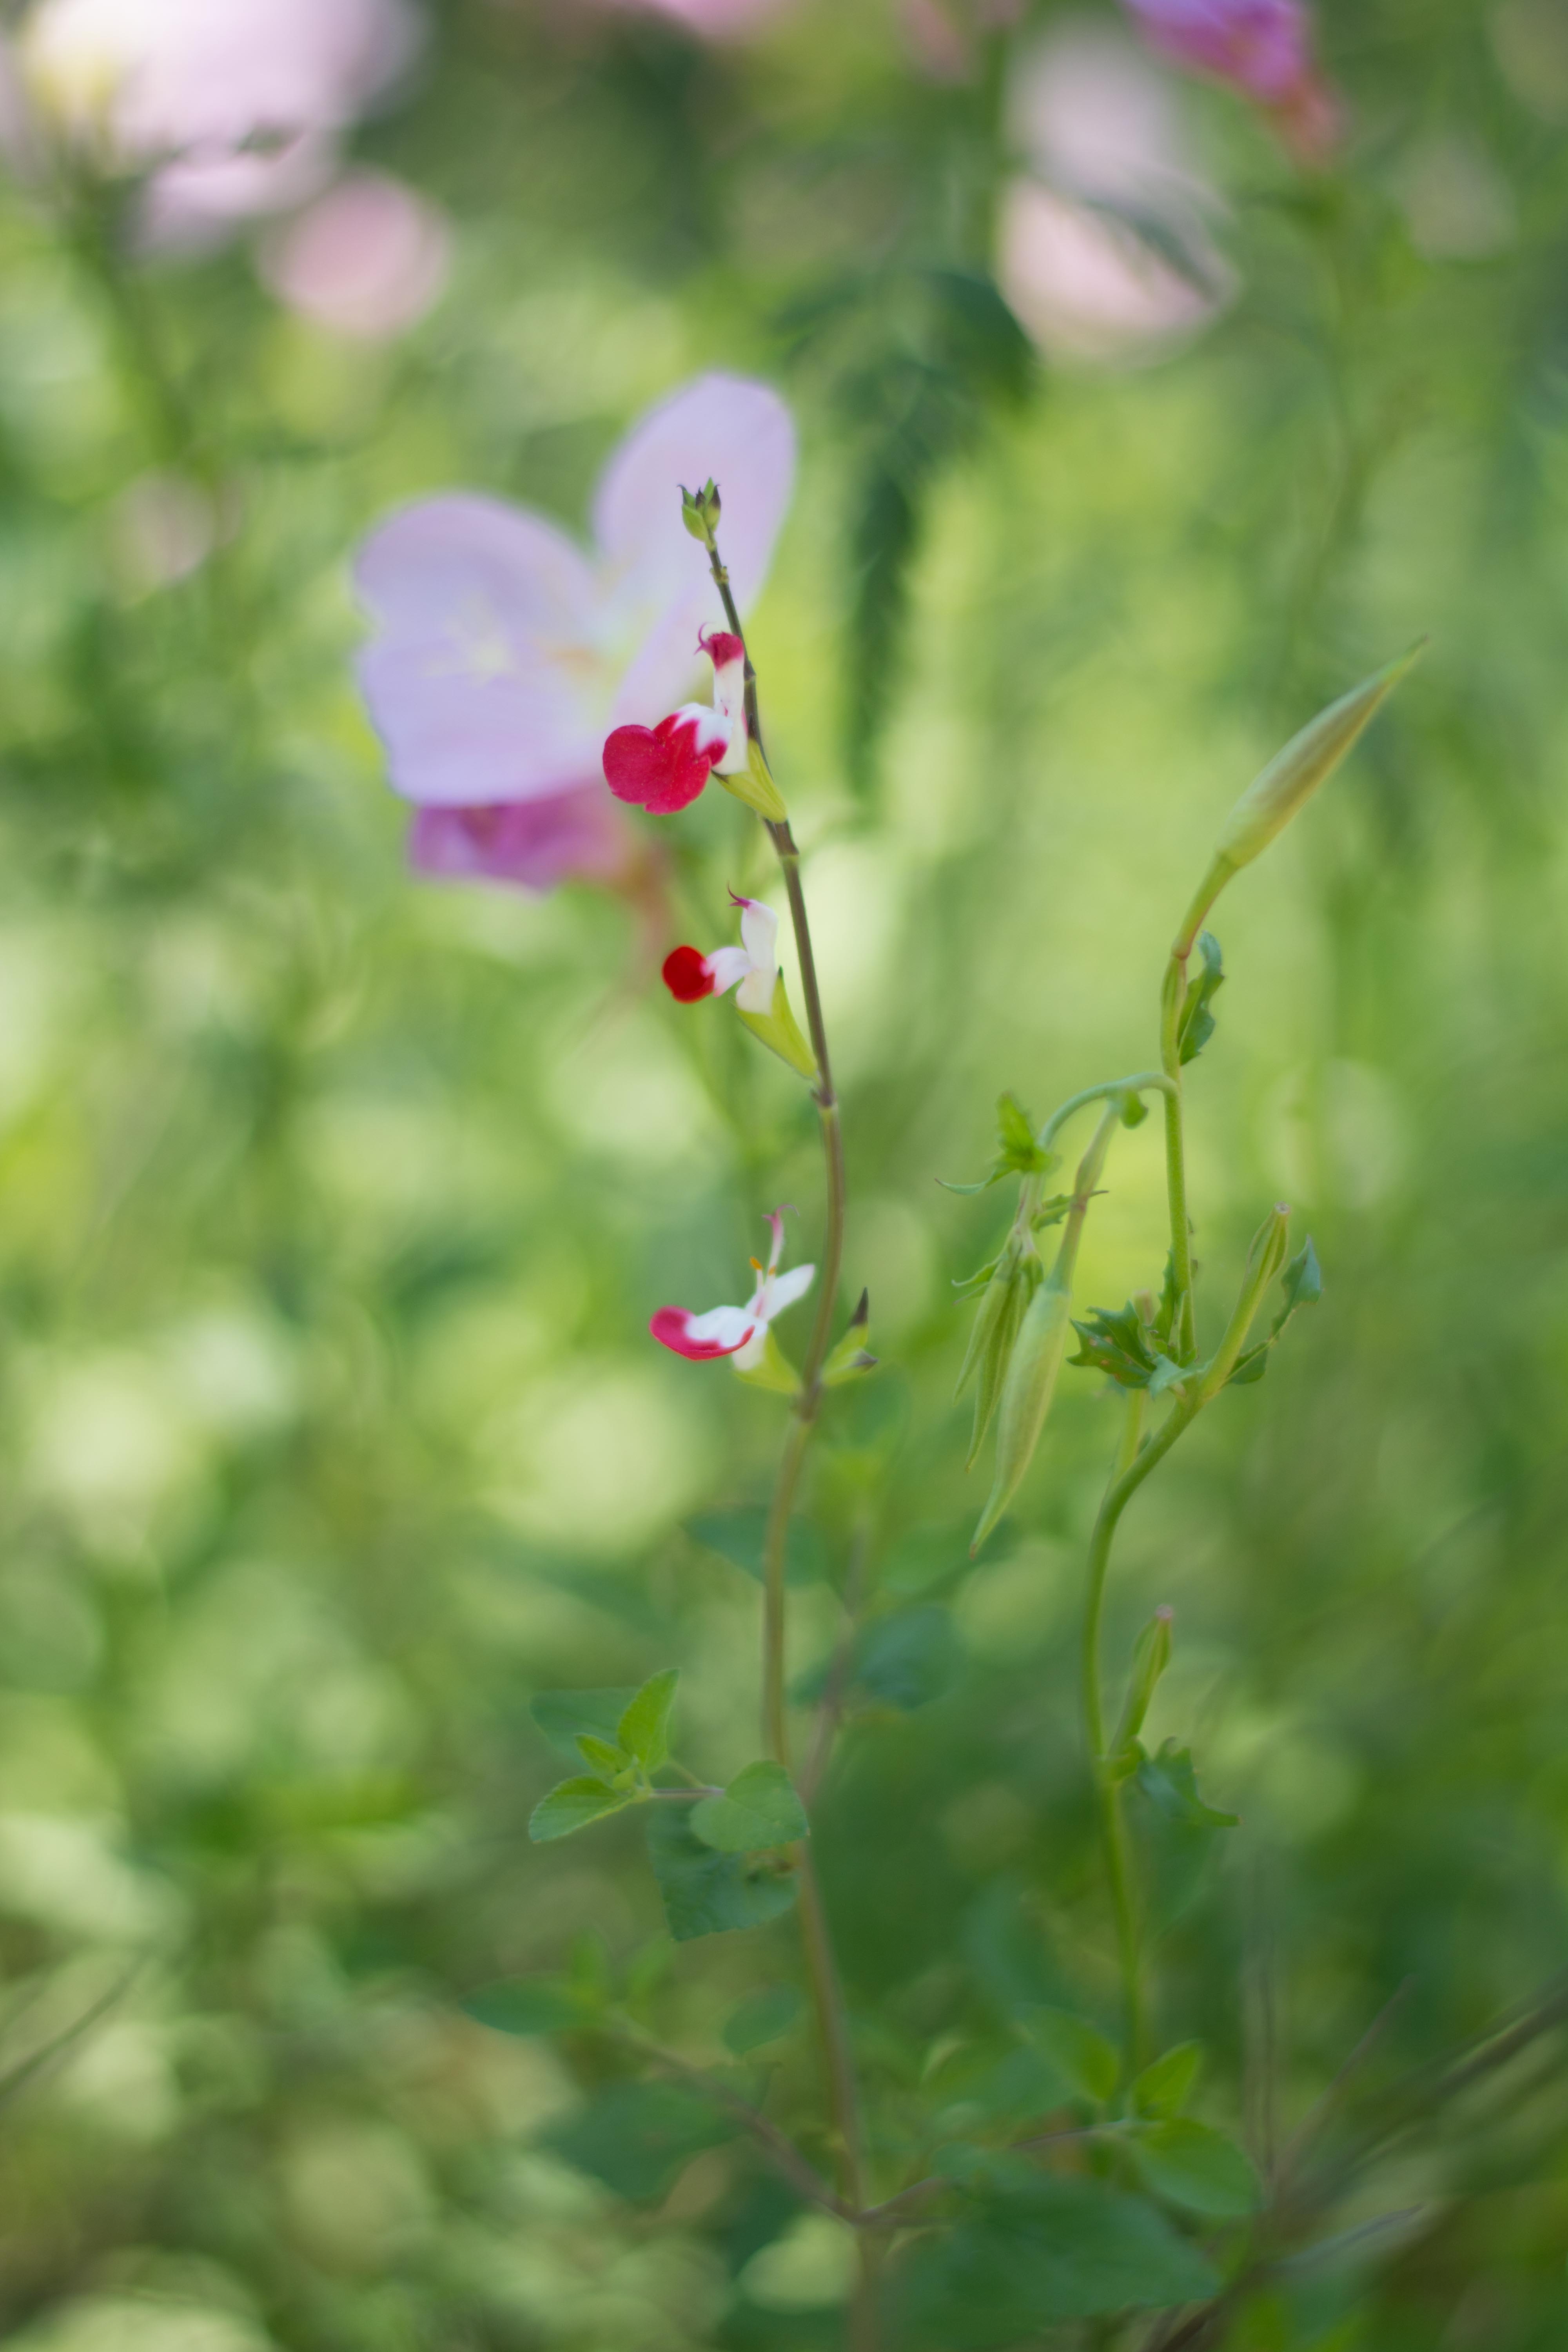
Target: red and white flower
751	968
665	767
738	1331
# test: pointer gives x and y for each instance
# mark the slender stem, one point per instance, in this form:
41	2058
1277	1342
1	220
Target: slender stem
827	1996
1141	1082
775	1724
1124	1484
1183	1336
1088	1174
788	2158
833	2027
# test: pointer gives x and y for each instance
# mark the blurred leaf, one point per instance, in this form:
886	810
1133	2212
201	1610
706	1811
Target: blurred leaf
1170	1782
905	1660
530	2005
1165	2088
644	1728
1196	2167
1086	2060
706	1893
564	1715
759	1809
636	2137
572	1805
1197	1026
1061	2249
764	2016
740	1536
601	1757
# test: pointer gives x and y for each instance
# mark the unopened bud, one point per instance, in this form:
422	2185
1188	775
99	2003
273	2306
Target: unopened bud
700	511
1036	1359
1270	1243
1289	782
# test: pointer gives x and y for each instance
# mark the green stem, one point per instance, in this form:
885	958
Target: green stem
1133	1466
1141	1082
1184	1335
827	1995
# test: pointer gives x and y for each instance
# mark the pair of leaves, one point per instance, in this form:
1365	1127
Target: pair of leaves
1017	1153
1302	1284
620	1766
1125	1349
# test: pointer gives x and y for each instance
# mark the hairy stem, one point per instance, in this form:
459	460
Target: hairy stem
1125	1480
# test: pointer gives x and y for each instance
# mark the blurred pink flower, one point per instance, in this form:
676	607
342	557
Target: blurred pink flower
1263	48
504	655
367	260
711	20
1088	239
234	106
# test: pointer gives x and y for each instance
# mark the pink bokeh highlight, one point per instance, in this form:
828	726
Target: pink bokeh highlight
366	260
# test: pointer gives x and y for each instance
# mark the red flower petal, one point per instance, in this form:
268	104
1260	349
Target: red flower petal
657	766
672	1326
721	646
687	976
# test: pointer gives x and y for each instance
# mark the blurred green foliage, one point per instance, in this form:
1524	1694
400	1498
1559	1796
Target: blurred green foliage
332	1209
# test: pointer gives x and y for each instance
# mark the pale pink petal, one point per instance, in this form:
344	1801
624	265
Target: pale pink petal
479	679
530	844
367	260
728	967
1086	287
659	592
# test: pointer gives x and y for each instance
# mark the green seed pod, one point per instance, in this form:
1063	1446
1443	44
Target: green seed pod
1011	1288
1027	1393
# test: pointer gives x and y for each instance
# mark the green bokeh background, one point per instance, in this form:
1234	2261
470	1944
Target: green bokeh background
333	1207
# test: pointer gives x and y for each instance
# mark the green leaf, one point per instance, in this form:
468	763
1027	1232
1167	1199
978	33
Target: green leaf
563	1716
636	2137
758	1810
708	1894
1059	2250
739	1536
530	2005
1118	1345
572	1805
1169	1782
1165	2088
995	1343
1017	1153
1085	2059
1200	2169
763	2017
600	1757
644	1729
1303	1282
1197	1018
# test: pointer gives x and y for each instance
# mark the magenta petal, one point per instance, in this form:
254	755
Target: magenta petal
533	845
656	767
1261	46
466	679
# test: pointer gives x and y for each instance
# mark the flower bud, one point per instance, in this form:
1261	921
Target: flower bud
700	511
1293	775
1002	1306
1270	1245
1036	1359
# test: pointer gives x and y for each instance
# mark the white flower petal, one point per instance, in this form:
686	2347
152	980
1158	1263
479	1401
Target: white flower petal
727	966
783	1289
755	993
760	932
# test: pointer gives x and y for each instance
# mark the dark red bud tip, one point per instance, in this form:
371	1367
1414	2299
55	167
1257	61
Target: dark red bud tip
721	646
687	976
